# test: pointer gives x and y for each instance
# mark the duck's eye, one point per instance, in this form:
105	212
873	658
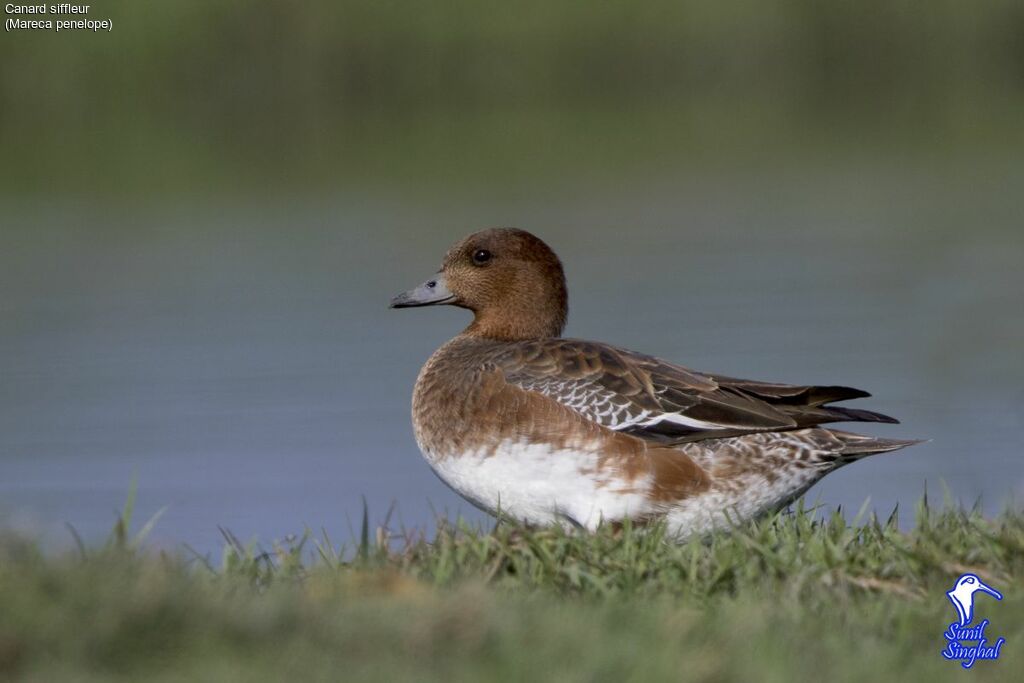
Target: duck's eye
481	256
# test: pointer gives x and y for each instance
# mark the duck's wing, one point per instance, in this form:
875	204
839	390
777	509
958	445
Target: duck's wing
657	400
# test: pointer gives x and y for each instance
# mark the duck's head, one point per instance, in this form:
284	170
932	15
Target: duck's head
510	279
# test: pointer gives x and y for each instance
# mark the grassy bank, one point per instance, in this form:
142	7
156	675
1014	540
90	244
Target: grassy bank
786	599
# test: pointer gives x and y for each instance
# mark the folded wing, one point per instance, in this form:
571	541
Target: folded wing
653	399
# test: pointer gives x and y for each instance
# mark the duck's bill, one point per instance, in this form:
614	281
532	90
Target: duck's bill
990	590
433	292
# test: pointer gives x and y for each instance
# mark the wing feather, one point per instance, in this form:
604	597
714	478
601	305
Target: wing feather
661	401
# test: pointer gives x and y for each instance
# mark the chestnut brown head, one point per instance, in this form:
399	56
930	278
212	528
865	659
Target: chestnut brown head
509	278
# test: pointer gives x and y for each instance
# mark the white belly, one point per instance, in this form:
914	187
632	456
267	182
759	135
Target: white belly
540	485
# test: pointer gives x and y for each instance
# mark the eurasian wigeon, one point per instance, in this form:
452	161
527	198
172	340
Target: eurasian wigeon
549	430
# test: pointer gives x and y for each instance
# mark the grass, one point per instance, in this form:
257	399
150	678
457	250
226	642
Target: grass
800	595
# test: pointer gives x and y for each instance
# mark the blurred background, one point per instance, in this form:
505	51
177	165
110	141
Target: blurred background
206	211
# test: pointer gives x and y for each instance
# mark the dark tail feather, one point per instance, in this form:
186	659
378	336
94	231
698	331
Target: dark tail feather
817	396
792	394
859	415
823	414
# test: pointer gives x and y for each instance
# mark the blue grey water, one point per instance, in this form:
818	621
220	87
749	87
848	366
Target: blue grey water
237	358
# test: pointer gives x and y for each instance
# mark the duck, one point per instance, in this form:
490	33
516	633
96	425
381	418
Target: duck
546	430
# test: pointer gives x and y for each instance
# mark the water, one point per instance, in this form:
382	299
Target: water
239	361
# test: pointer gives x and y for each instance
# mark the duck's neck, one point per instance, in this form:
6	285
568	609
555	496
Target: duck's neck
531	308
512	329
520	322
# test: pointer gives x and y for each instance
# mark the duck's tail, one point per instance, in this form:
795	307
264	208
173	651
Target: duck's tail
857	446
